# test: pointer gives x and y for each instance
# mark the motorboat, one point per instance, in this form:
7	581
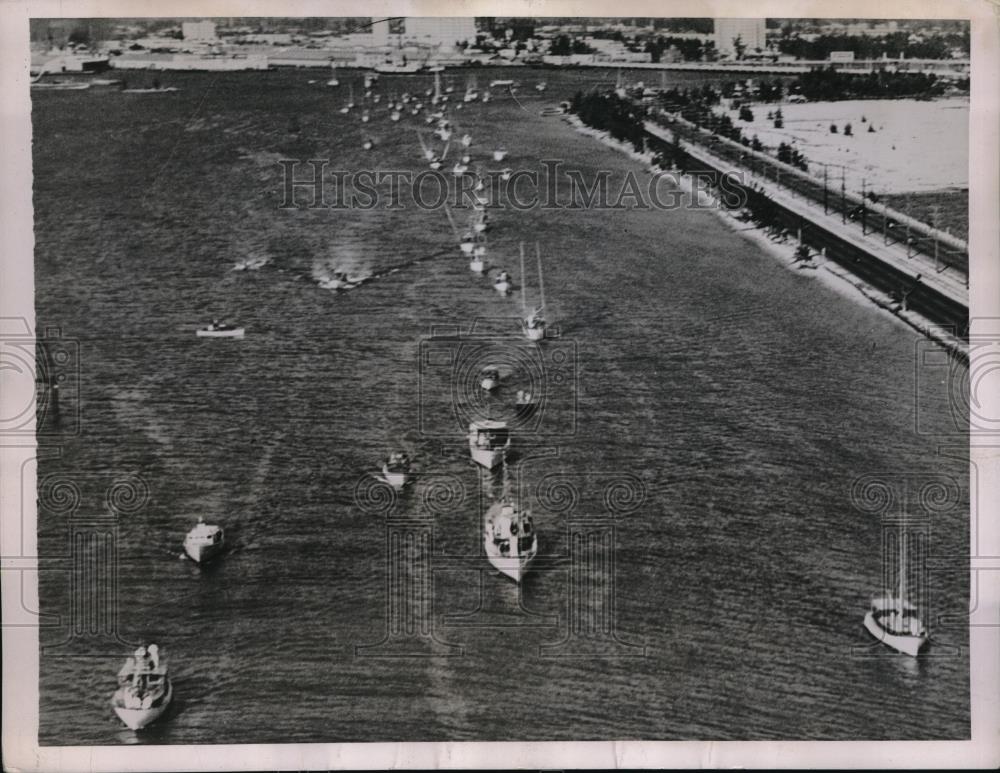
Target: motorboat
894	620
144	690
502	283
394	115
216	329
489	379
540	86
333	76
500	83
337	281
153	90
365	117
204	542
499	154
489	441
525	404
396	470
466	140
368	144
509	536
506	173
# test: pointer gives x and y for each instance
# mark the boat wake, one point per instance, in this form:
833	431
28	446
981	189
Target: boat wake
340	276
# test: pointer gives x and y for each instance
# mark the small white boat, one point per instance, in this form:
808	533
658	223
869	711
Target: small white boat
338	281
333	76
499	154
157	90
525	404
435	165
894	620
144	690
477	265
459	169
466	140
502	283
377	98
368	144
540	86
250	264
105	82
486	97
204	542
466	158
489	379
365	117
488	442
498	83
394	115
505	174
396	470
218	329
467	245
509	537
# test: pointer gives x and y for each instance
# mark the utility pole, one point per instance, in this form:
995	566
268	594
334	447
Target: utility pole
826	209
864	209
843	197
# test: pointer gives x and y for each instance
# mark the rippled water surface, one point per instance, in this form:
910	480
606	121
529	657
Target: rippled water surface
739	401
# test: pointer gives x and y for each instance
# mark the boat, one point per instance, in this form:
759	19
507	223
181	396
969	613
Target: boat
479	223
489	379
398	67
500	83
365	116
339	281
534	323
894	620
471	92
506	173
499	154
466	158
509	535
489	440
396	470
60	85
250	264
502	283
368	144
486	97
204	542
466	140
394	115
540	86
218	329
333	75
154	90
525	404
144	690
459	169
105	81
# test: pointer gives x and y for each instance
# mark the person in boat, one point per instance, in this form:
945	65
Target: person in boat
154	655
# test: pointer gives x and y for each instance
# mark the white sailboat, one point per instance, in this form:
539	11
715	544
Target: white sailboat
500	154
509	537
895	621
333	75
488	442
502	283
144	690
216	329
534	323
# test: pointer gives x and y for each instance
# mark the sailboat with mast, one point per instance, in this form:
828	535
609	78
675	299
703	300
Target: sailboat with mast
895	620
509	536
534	323
333	75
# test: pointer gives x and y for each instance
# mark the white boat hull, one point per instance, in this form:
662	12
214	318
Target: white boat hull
200	553
236	333
499	155
535	333
488	458
395	479
502	287
137	719
477	266
513	567
908	645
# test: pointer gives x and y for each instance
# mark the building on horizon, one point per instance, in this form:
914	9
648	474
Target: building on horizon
199	30
751	35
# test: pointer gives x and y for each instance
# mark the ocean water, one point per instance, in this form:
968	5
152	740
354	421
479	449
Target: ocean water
706	471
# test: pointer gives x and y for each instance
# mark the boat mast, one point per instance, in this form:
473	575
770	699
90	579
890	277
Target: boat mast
524	286
541	284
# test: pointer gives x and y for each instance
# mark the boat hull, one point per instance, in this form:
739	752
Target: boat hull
477	266
487	457
237	333
513	567
908	645
535	333
137	719
502	287
395	479
201	554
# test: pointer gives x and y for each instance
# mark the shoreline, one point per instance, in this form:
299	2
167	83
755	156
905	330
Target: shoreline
836	278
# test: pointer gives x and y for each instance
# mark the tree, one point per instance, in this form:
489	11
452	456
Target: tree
739	47
847	130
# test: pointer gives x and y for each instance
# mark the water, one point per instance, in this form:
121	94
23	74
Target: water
746	398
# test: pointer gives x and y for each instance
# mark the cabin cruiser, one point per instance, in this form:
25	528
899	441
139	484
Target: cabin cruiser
509	537
216	329
144	690
488	442
502	283
396	470
204	542
489	379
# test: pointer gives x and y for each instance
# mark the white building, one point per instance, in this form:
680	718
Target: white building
199	30
752	34
441	30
